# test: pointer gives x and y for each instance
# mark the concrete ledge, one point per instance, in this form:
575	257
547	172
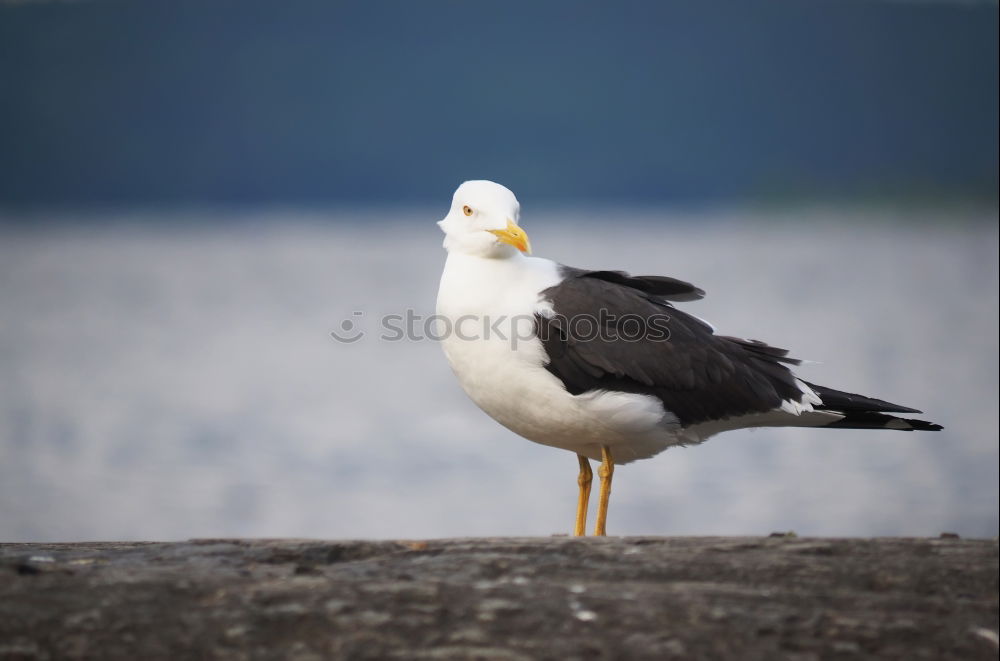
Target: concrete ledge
509	598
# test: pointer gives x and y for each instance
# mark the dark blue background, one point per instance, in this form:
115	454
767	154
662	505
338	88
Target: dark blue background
185	103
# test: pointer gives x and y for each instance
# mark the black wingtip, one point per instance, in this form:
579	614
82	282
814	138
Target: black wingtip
838	400
876	420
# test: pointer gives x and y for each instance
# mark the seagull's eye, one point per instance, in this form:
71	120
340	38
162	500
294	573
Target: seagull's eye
467	210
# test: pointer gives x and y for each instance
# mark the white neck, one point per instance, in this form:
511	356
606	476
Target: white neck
472	284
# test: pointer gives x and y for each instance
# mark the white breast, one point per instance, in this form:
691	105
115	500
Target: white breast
488	306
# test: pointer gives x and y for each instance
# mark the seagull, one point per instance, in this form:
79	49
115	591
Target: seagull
601	363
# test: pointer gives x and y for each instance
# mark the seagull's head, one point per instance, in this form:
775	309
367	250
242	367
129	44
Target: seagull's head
482	221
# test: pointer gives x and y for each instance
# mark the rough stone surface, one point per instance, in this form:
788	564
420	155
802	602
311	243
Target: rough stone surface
540	598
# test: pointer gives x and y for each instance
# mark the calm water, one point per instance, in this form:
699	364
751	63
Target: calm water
176	380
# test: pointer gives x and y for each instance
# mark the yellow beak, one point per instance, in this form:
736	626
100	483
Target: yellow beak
514	236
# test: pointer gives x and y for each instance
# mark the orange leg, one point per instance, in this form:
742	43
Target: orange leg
584	480
605	472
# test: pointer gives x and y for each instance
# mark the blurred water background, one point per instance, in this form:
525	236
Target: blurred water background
165	384
194	195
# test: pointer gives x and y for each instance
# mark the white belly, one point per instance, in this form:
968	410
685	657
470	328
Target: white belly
531	402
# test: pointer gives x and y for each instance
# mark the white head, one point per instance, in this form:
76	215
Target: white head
482	221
